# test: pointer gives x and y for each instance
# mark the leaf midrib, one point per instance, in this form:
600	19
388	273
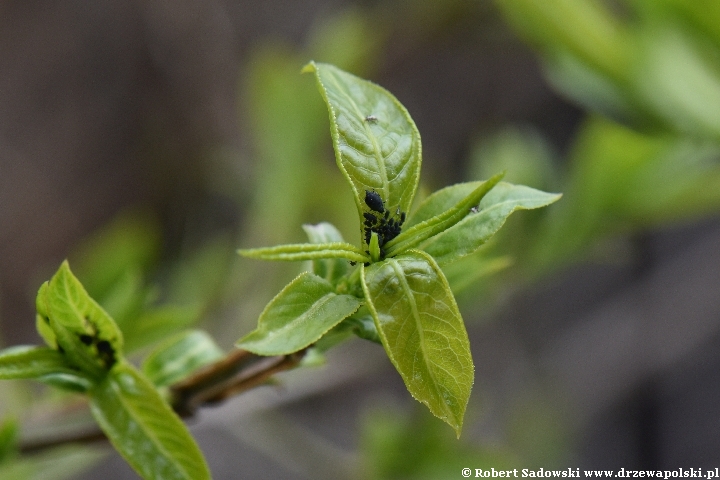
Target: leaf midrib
378	156
418	325
148	433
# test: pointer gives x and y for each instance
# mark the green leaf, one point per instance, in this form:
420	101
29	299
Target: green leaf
329	269
180	356
32	362
44	364
298	316
422	331
42	318
73	382
377	144
374	247
86	335
363	325
307	251
475	229
144	429
419	232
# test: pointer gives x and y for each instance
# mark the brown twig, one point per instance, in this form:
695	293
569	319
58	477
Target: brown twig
236	373
92	435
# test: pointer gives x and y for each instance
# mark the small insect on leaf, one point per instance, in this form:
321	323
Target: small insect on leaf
371	119
374	201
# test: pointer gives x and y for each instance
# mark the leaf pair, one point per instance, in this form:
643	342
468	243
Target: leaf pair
85	354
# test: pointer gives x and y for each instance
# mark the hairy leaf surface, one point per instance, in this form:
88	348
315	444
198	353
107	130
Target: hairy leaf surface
422	331
307	251
299	315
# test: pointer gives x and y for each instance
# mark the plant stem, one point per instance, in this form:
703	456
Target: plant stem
236	373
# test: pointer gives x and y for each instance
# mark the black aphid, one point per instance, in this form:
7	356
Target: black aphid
369	217
385	226
374	201
105	352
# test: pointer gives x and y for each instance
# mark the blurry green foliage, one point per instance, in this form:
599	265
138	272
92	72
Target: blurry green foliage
59	464
403	445
617	181
8	438
620	181
147	300
654	65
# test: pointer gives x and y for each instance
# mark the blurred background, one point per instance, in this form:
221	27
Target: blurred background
147	141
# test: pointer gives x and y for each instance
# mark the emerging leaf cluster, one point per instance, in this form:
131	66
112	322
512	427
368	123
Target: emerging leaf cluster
398	295
84	353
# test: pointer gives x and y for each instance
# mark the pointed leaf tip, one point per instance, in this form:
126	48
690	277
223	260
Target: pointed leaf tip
377	145
422	331
309	67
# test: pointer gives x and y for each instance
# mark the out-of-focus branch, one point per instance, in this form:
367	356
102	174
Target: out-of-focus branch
236	373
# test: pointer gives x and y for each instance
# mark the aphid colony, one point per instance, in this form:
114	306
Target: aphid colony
380	222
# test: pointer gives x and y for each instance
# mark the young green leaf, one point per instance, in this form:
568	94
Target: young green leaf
144	429
441	201
413	236
180	356
307	251
72	382
331	269
88	337
474	230
374	247
43	364
42	318
377	144
32	362
298	316
422	331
